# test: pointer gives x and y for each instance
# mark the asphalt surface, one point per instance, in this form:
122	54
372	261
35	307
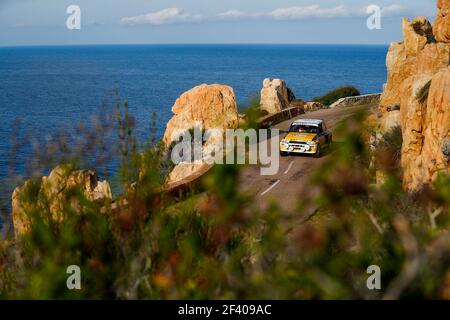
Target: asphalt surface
293	175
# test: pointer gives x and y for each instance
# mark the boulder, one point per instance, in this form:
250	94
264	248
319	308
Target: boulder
274	96
57	191
441	28
206	107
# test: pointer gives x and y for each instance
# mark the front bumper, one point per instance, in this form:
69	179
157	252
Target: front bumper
304	149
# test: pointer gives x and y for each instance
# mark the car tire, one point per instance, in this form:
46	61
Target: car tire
318	152
284	154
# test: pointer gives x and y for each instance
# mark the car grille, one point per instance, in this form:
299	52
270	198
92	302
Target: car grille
298	144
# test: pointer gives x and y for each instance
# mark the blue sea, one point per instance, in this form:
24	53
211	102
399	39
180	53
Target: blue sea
53	88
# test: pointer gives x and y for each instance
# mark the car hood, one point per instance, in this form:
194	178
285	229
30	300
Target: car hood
300	137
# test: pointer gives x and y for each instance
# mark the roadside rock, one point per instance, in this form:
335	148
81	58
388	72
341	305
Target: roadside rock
186	171
274	96
313	106
58	190
208	106
441	27
205	106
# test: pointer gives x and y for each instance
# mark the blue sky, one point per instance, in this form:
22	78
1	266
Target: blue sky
42	22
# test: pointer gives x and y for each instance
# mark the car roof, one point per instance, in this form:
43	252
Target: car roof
308	121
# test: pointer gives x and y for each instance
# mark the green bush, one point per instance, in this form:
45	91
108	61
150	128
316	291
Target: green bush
336	94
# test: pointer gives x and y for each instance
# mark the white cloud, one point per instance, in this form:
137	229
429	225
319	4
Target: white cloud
308	12
392	10
175	15
166	16
232	14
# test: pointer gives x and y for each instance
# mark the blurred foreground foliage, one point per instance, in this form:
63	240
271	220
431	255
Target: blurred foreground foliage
219	244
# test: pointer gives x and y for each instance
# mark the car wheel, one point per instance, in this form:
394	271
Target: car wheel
284	154
318	152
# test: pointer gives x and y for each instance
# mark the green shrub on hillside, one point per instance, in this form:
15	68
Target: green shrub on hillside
336	94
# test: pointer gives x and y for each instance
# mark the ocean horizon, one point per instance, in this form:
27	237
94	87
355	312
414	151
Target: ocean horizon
51	88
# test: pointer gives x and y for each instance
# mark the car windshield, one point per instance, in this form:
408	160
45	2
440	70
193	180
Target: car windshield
302	128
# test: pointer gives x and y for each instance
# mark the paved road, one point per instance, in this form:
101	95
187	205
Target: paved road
292	177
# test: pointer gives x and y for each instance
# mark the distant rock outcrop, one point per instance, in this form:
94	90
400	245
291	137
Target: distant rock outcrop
205	106
419	86
274	96
58	190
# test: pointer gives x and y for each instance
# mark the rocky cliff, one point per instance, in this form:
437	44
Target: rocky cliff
442	23
418	85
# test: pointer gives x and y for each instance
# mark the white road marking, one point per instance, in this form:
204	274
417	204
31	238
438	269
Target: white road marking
289	167
270	188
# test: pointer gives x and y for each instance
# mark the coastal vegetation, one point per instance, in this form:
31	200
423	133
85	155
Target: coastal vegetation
215	242
334	95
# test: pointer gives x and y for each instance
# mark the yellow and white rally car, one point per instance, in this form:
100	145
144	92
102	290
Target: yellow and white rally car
306	136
